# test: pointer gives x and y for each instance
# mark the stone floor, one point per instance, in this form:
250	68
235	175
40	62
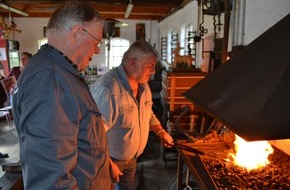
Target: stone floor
157	174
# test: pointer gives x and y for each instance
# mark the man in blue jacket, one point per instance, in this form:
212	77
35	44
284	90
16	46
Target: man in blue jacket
62	139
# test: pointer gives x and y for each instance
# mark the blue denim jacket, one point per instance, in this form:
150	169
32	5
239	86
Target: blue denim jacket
62	140
127	122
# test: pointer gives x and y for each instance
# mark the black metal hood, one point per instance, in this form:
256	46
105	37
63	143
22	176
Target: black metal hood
250	93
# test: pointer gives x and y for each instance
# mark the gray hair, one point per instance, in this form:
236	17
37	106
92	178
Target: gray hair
138	50
71	13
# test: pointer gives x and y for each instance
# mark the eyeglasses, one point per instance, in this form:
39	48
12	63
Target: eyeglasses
99	41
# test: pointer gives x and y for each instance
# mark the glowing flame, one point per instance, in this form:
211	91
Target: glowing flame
251	155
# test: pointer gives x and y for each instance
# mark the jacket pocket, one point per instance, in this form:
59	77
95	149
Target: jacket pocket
128	116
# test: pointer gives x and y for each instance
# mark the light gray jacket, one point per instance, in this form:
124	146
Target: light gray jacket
127	121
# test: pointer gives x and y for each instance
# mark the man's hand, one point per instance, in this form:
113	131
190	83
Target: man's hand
166	139
115	172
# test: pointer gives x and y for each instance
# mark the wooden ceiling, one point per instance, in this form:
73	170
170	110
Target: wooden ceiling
111	9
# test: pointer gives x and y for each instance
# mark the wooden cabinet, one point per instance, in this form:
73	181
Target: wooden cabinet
174	84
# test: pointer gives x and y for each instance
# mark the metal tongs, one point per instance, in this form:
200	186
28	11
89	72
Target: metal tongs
187	148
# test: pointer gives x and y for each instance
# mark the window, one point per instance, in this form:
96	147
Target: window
185	41
114	54
171	42
182	40
13	59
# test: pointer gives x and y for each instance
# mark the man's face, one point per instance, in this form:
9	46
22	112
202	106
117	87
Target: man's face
145	68
24	60
92	37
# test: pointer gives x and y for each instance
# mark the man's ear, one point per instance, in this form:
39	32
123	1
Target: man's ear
74	34
132	62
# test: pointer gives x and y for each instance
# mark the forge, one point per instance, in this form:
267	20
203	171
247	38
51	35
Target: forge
247	96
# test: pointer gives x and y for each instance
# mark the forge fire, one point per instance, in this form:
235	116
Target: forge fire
275	175
251	155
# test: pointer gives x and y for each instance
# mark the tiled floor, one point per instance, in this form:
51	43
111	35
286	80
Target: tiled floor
156	174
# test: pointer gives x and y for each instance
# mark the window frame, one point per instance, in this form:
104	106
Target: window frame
114	58
171	33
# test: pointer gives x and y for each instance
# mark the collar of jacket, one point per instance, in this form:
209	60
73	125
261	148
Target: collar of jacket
125	80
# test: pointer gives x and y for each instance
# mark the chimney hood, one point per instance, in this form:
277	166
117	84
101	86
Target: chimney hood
250	93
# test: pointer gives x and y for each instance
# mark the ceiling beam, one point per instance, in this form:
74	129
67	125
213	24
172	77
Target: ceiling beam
143	9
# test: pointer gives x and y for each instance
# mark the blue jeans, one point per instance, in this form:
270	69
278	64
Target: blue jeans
128	169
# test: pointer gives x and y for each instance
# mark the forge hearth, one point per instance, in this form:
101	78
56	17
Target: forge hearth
226	175
214	171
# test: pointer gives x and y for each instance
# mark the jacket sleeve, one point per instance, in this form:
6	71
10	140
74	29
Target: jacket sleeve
153	120
48	134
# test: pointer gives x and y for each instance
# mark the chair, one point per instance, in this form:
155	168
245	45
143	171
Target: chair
8	85
5	112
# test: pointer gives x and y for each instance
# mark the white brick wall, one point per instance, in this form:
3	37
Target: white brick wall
32	31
